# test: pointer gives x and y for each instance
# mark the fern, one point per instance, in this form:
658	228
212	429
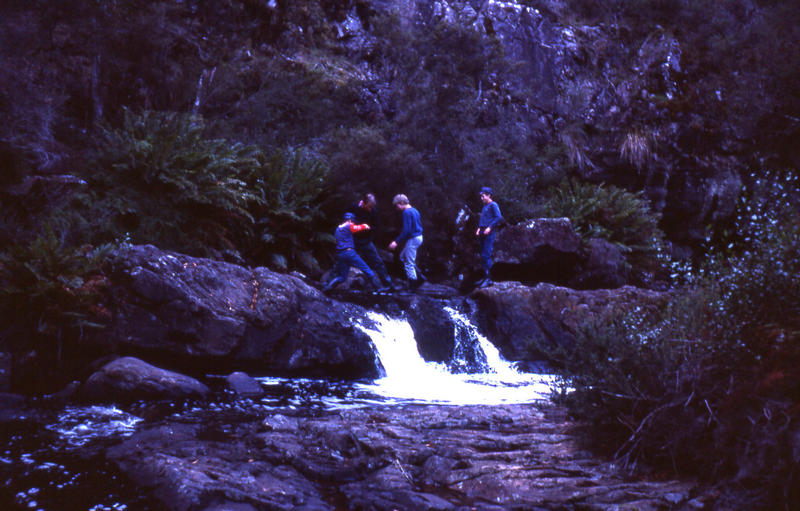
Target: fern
50	291
616	215
289	184
156	179
622	217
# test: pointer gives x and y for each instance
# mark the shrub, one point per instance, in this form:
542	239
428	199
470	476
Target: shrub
49	297
290	184
291	102
157	180
616	215
637	148
709	384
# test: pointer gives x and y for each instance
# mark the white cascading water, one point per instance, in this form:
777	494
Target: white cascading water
410	378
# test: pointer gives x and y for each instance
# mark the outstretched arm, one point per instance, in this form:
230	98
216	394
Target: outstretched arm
358	227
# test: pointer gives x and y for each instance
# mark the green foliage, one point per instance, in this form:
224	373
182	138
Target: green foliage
614	214
287	102
755	270
366	157
574	140
290	184
157	180
49	296
708	384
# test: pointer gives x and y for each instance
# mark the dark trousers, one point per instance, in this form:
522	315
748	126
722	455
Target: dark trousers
347	258
370	255
487	244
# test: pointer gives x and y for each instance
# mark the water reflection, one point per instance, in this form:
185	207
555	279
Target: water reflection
76	426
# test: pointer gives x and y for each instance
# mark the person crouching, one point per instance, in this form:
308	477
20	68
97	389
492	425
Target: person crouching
346	255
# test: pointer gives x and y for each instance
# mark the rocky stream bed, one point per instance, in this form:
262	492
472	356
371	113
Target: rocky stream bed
244	457
396	457
137	436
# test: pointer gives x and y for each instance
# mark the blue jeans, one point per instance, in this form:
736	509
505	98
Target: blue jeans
487	244
409	256
347	258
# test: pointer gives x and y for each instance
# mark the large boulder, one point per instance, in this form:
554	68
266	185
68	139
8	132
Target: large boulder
208	315
604	266
525	322
243	384
433	330
537	250
443	336
131	379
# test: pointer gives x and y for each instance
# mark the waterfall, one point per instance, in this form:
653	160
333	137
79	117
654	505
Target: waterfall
491	380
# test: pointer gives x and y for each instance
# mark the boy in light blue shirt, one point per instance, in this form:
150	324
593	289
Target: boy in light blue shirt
411	234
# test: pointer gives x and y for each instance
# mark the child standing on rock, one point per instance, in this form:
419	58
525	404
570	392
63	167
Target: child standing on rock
411	236
490	217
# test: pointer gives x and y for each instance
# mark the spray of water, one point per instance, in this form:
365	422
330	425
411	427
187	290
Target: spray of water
410	378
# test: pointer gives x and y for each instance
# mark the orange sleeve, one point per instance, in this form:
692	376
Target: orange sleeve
358	227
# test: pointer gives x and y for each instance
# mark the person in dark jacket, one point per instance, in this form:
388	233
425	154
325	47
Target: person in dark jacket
411	235
366	213
487	223
346	255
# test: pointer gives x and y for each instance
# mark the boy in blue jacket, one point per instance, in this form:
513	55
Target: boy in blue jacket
346	255
490	217
411	235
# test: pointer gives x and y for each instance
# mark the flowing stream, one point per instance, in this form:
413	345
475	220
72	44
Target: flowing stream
409	378
51	459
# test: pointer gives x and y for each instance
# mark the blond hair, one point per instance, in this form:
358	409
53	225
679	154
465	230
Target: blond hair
399	199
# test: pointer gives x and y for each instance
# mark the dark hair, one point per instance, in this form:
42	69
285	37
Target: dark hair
368	198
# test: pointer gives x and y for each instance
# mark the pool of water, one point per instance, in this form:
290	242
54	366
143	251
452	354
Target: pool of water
53	459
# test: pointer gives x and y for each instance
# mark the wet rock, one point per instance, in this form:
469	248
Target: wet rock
433	330
604	267
538	250
526	322
242	384
207	315
70	390
400	457
11	406
130	379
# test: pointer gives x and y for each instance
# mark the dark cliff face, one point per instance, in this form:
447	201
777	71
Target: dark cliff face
432	99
